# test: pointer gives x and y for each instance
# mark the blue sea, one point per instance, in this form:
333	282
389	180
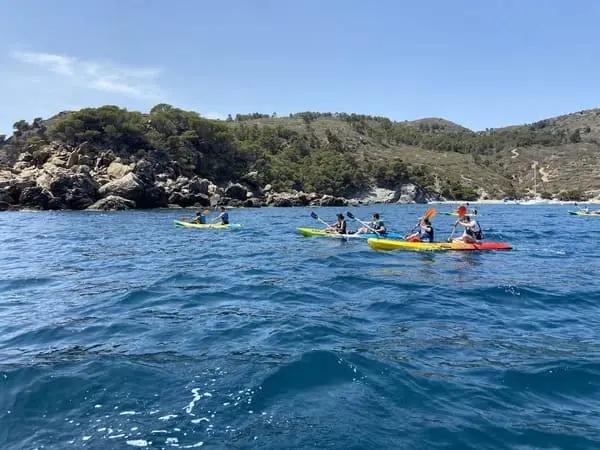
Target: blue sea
119	330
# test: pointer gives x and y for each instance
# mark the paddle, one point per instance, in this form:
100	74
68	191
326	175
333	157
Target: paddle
314	216
462	212
351	216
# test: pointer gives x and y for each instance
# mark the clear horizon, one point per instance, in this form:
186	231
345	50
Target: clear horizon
480	65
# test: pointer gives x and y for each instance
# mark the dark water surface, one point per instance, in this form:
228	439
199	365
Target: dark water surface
117	329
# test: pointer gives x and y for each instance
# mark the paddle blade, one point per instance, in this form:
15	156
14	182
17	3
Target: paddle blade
350	215
430	213
462	211
314	215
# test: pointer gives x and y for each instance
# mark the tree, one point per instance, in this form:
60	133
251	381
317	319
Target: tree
21	126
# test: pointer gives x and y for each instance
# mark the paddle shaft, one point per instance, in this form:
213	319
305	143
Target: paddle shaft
367	226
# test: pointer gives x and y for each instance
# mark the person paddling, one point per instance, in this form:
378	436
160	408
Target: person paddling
472	233
200	217
376	225
424	233
339	226
424	229
223	216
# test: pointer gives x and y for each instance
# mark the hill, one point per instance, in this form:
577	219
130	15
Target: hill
328	154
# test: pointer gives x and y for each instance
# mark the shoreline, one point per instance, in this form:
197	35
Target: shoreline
194	208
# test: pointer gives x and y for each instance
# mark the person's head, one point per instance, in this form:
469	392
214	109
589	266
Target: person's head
376	216
222	209
465	218
340	217
426	221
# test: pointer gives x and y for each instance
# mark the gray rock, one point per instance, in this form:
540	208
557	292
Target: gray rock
116	170
236	191
330	200
199	186
411	193
113	203
128	186
131	187
35	197
73	158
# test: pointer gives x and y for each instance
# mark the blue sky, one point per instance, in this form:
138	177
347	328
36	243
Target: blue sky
479	63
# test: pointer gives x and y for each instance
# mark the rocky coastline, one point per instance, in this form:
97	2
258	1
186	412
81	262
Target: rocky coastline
61	177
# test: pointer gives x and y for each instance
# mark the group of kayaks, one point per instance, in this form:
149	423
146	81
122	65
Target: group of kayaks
389	240
398	241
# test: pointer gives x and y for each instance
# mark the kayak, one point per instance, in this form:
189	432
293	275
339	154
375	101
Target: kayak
390	244
207	226
583	213
319	232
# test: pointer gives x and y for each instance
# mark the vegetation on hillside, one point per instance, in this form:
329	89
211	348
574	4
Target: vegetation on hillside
329	153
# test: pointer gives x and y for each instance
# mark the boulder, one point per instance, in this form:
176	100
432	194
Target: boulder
116	170
145	170
73	158
113	203
75	190
330	200
128	186
236	191
286	199
411	193
199	186
253	203
145	195
215	200
4	206
188	199
57	161
35	197
40	157
25	156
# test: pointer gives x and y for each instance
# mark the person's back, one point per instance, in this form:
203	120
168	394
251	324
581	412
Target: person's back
426	233
225	218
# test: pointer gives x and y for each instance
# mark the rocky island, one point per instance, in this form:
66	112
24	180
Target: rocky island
109	158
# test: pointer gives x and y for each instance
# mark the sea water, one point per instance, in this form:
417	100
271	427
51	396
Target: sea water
119	330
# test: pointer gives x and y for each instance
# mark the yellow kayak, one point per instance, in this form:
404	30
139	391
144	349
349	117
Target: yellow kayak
391	244
207	226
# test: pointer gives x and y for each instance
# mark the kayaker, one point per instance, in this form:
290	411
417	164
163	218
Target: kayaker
424	233
223	216
200	217
473	233
339	226
376	225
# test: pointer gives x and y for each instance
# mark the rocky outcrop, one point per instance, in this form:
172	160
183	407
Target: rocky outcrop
131	187
410	193
58	176
116	170
330	200
236	191
112	203
35	197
